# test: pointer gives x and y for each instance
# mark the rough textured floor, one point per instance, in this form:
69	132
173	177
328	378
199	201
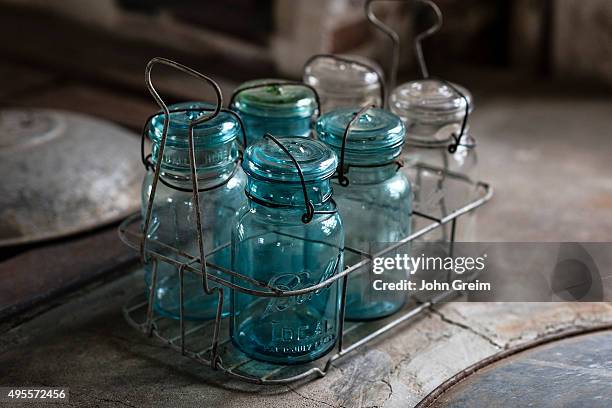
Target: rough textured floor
549	160
86	345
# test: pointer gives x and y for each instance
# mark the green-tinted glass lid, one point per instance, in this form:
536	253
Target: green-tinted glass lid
266	160
430	100
275	98
220	130
375	130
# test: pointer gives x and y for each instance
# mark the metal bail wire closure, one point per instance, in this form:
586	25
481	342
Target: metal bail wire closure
346	60
342	179
452	148
307	216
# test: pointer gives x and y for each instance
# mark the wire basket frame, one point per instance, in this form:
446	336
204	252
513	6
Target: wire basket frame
206	342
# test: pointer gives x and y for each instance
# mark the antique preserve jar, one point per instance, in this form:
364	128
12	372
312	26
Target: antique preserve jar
275	106
433	112
173	222
289	242
374	199
344	81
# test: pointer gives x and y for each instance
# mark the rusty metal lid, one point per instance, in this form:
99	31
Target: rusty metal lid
63	173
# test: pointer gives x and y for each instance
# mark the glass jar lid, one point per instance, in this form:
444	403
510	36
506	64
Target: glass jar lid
338	76
278	101
377	133
430	100
217	131
266	160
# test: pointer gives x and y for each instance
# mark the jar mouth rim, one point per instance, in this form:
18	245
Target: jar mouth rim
371	91
336	144
297	182
423	142
327	199
232	157
467	141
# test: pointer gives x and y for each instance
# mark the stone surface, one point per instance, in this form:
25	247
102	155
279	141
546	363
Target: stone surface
86	345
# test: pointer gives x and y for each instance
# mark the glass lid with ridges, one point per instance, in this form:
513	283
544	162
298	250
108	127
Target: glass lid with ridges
218	131
375	130
275	98
430	100
266	160
339	74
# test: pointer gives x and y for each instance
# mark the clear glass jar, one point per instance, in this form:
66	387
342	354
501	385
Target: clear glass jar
275	106
273	243
173	212
433	112
344	81
374	199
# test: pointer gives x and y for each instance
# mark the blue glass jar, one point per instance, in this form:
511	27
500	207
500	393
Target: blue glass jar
277	241
221	184
374	199
275	106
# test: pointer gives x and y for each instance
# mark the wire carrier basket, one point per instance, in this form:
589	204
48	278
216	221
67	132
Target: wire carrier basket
208	342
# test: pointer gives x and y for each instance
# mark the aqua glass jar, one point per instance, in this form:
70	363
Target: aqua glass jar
173	218
374	199
344	81
275	106
433	112
290	243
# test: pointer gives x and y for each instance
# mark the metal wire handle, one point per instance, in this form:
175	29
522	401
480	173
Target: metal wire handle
215	359
238	91
396	41
186	70
192	160
352	61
